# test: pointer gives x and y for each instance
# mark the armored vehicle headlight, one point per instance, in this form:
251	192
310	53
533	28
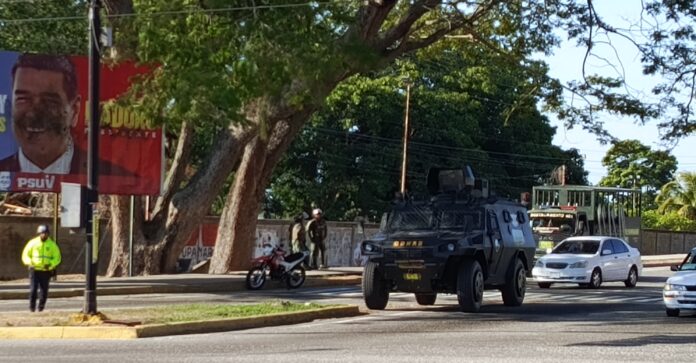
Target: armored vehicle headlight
451	247
370	247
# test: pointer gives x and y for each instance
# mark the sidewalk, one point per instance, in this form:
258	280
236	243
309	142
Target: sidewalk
70	286
73	285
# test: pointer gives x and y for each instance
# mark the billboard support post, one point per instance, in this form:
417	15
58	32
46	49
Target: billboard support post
90	206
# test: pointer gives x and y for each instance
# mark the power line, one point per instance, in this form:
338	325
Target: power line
173	12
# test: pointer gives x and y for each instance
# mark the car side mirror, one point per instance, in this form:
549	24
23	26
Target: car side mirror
674	268
606	252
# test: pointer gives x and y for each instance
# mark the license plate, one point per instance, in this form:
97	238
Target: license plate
412	276
554	275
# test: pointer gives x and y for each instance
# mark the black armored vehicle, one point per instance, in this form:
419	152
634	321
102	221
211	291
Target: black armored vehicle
460	241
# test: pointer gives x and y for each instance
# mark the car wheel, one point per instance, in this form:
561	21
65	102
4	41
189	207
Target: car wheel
516	285
595	279
426	299
672	312
470	286
544	285
632	279
374	287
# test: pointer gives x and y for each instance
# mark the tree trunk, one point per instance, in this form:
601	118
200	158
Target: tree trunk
238	220
178	212
237	232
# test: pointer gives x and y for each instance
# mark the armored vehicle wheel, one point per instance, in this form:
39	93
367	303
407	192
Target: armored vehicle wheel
595	279
470	286
672	312
544	285
426	299
515	284
374	287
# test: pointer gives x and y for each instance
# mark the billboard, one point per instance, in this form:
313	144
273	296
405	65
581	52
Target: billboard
43	127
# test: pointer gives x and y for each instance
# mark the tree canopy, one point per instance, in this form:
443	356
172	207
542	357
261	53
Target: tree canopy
630	164
679	196
462	112
236	81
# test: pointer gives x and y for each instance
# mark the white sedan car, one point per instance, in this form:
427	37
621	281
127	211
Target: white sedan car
680	290
588	261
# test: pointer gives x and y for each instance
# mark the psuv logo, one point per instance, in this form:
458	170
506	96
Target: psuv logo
45	182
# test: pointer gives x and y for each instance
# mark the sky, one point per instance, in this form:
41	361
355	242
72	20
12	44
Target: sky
566	65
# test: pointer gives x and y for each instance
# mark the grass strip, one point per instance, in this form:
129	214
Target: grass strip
162	314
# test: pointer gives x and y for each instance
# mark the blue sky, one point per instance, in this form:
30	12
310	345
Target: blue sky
566	65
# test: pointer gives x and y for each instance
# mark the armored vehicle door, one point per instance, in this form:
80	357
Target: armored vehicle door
495	241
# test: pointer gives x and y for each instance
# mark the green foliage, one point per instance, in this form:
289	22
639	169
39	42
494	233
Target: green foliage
631	164
213	63
679	196
671	221
467	107
65	34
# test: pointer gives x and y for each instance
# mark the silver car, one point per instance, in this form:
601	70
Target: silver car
680	290
589	261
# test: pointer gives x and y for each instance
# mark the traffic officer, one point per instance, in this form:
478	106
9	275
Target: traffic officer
42	256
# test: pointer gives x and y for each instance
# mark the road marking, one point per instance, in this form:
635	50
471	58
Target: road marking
359	318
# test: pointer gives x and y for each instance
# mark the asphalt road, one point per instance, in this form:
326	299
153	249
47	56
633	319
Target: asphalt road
564	323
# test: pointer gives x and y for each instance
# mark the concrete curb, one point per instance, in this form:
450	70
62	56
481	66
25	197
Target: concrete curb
179	289
156	330
663	263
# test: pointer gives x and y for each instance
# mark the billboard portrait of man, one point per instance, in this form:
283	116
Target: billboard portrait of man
45	108
44	126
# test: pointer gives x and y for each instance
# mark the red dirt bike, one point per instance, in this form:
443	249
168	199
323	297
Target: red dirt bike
276	265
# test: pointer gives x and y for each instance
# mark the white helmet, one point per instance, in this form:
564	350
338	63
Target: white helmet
316	211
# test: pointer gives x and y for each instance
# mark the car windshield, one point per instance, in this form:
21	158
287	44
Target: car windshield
460	220
553	223
578	247
688	267
689	263
411	219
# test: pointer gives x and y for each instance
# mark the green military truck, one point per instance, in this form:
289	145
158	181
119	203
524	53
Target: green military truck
460	241
562	211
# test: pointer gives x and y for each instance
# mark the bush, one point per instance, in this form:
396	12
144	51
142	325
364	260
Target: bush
671	221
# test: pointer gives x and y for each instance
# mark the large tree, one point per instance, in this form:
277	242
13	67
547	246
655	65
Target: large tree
679	196
630	164
252	73
348	158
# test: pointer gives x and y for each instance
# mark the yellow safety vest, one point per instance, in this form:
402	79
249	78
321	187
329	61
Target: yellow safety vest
41	255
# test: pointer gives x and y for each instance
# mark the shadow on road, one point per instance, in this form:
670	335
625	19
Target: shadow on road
640	341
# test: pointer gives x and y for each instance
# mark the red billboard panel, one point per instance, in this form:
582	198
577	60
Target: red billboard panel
43	127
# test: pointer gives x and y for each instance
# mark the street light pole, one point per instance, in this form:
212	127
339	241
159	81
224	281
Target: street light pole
404	157
90	205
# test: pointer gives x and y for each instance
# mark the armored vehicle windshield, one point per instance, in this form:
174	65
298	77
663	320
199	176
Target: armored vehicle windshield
411	218
460	220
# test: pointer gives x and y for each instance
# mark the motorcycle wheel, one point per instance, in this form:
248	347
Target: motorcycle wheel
296	277
255	278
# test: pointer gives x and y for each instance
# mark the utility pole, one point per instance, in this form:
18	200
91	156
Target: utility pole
404	157
90	205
